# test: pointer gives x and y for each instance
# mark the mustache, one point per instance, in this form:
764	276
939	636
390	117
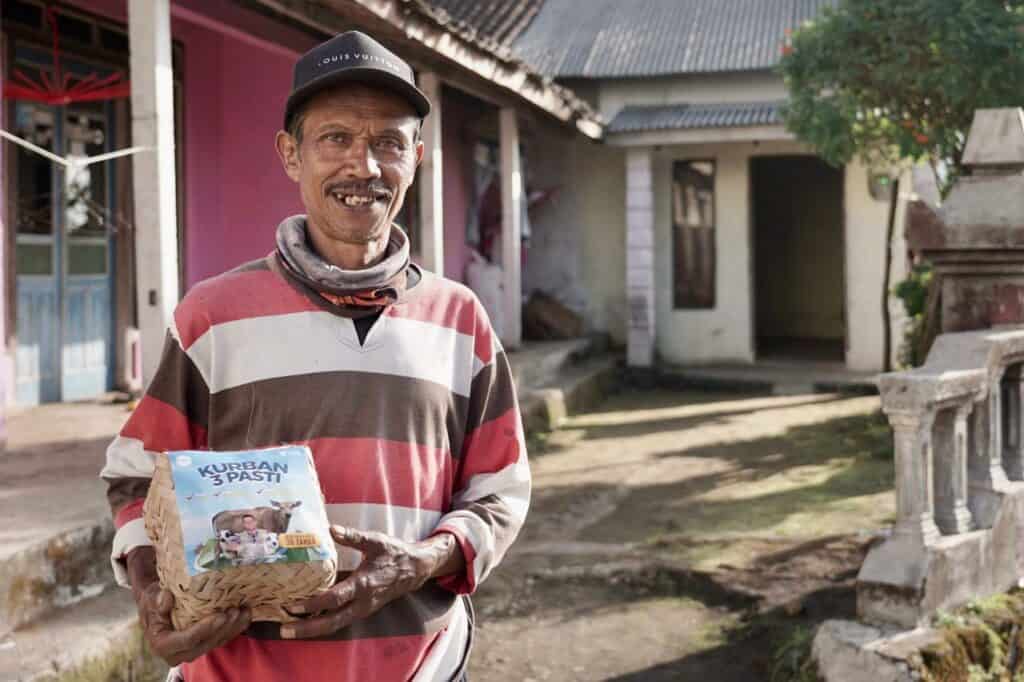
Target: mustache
360	188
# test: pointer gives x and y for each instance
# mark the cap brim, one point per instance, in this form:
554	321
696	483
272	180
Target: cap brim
358	74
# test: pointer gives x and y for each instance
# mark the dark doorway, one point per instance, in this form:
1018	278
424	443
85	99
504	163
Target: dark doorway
799	263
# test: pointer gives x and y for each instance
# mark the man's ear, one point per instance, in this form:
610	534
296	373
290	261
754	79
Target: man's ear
419	152
288	151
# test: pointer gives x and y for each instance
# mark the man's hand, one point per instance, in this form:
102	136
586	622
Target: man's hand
390	568
155	605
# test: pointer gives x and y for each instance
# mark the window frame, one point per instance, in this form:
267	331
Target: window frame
681	298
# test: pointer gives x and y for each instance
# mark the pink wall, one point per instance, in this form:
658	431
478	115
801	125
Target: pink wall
236	191
235	86
457	142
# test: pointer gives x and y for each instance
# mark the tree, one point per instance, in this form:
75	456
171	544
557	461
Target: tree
897	83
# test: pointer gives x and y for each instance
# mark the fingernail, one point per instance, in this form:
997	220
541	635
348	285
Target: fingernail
287	632
295	608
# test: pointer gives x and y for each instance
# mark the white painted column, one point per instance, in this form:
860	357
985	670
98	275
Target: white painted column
156	220
511	230
431	188
640	257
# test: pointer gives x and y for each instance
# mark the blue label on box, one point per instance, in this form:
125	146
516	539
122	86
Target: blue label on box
249	507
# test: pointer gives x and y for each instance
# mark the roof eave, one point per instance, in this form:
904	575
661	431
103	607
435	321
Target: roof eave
650	138
458	45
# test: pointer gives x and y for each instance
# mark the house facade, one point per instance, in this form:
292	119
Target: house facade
626	158
96	256
729	241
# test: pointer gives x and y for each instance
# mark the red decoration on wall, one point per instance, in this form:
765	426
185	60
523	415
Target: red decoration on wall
59	89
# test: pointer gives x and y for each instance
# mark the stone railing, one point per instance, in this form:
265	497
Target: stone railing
959	457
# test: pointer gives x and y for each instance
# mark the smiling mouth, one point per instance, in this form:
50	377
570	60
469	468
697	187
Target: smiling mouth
359	200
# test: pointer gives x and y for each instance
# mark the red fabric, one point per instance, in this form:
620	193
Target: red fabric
491	447
377	471
390	659
161	427
450	312
129	512
216	301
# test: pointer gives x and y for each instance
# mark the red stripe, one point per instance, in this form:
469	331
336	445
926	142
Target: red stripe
463	582
236	296
162	427
129	512
248	660
492	446
453	306
372	471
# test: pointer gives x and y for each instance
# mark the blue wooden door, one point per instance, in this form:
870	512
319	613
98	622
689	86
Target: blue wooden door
37	366
85	243
63	256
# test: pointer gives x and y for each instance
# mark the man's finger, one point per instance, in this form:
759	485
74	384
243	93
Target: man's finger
356	539
320	626
333	599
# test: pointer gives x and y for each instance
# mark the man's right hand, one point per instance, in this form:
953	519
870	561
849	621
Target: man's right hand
155	606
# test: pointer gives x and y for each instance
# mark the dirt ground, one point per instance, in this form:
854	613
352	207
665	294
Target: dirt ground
687	536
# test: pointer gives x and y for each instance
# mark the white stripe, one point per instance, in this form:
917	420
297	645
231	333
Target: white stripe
448	651
127	538
127	458
405	523
244	351
511	485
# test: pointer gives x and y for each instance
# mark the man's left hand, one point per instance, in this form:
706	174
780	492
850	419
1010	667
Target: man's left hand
390	568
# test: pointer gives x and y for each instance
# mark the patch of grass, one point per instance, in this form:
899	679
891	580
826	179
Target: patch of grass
982	641
792	660
129	662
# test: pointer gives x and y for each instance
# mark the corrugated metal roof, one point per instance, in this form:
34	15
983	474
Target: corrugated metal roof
615	39
498	20
633	119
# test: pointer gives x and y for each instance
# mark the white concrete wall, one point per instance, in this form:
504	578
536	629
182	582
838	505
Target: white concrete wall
865	257
577	250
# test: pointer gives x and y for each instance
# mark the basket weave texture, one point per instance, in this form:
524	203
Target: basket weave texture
264	588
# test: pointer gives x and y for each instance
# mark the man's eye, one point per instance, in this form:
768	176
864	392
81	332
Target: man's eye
389	144
336	138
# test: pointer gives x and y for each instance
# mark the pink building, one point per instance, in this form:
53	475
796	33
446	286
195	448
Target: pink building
77	242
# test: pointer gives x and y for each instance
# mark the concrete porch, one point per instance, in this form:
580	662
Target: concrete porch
778	377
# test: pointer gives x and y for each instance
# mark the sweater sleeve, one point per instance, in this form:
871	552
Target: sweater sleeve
492	486
172	415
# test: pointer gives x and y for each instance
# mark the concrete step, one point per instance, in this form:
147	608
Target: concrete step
537	363
575	388
54	573
96	640
776	378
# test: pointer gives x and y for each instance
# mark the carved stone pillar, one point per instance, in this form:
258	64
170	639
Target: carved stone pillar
950	461
1010	416
915	496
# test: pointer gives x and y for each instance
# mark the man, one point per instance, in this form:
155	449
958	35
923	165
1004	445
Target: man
393	377
252	541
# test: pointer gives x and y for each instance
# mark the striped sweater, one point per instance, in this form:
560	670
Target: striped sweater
415	431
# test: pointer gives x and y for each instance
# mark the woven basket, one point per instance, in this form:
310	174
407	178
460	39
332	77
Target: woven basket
264	588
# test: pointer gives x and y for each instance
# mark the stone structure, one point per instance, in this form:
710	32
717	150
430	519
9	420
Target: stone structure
958	419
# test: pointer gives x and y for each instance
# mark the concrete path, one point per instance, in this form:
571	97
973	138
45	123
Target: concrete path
678	536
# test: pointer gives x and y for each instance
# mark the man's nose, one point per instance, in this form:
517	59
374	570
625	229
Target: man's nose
361	162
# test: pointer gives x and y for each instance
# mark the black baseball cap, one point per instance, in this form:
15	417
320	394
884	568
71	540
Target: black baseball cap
352	57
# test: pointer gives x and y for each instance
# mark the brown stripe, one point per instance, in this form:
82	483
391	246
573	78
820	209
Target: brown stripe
498	518
337	405
421	613
122	491
492	393
179	384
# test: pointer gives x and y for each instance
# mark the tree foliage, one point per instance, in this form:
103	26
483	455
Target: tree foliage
898	81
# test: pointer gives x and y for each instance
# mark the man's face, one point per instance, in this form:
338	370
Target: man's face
357	156
249	523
